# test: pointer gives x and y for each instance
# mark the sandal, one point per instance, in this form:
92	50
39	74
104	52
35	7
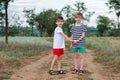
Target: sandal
60	72
51	72
81	72
75	71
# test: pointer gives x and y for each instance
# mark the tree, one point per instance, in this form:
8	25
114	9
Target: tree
15	24
13	31
40	22
30	15
46	21
80	7
103	25
68	11
4	4
115	4
88	16
1	20
1	11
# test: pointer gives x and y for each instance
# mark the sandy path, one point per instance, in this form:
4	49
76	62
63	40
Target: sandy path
96	69
38	70
30	72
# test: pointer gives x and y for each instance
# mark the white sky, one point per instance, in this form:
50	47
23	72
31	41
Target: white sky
98	6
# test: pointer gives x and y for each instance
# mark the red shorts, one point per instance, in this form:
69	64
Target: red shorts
58	52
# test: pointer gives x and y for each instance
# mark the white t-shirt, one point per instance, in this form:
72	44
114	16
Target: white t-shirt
58	41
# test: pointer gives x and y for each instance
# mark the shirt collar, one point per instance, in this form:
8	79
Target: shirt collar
79	24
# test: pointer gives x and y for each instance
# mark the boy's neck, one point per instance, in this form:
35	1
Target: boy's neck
77	23
59	26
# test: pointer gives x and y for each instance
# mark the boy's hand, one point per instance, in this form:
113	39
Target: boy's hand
72	41
75	41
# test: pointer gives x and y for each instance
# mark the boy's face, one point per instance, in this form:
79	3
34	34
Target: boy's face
78	19
59	22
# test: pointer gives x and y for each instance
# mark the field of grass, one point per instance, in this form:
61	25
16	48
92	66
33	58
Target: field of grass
23	46
107	50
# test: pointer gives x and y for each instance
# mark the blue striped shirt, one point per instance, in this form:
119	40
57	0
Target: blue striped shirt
77	32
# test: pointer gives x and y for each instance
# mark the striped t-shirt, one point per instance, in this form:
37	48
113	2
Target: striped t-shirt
77	32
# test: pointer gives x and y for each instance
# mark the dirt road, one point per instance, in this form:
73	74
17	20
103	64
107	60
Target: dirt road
38	70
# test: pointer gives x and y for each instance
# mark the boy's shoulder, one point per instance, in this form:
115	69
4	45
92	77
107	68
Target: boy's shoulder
84	23
58	28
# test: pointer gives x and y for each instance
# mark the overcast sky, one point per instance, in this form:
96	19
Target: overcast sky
98	6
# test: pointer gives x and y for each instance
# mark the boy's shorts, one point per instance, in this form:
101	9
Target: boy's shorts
79	49
58	52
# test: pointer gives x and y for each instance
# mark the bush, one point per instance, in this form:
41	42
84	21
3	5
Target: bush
114	32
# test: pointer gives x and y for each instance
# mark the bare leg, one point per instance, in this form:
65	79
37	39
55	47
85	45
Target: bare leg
81	61
76	60
59	63
53	62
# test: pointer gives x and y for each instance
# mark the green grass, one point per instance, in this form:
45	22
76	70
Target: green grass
23	46
107	50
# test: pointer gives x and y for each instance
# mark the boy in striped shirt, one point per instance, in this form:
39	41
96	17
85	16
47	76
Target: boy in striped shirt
78	45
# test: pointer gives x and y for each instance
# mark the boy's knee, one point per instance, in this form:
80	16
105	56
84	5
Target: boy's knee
76	56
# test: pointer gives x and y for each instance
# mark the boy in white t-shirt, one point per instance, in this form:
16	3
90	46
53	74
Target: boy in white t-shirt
58	46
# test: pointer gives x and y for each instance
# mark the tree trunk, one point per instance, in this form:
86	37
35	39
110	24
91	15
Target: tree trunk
32	31
6	22
118	23
40	30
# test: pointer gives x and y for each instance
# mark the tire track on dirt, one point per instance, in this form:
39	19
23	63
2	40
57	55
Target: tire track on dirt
30	72
38	70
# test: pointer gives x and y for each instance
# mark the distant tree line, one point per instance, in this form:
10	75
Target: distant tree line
44	21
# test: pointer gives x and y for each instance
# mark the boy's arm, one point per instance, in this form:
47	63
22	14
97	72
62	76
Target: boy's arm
72	37
71	41
65	36
81	37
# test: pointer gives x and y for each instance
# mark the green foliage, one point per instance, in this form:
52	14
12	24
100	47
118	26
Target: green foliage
30	15
4	4
115	5
80	7
1	31
114	32
13	31
68	23
46	21
69	12
103	25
